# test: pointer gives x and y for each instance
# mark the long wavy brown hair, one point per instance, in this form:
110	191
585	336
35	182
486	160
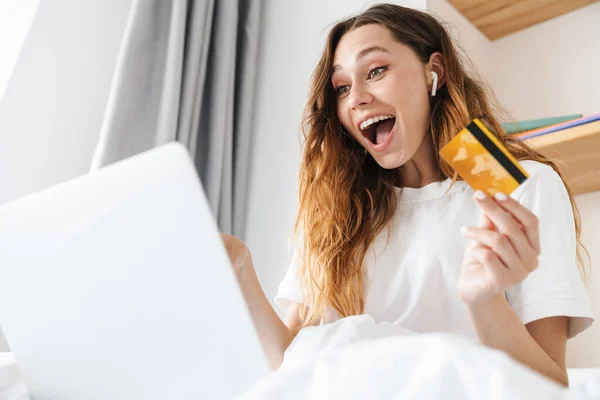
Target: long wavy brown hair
345	198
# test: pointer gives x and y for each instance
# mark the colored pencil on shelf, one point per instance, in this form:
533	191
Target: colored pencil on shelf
558	127
530	124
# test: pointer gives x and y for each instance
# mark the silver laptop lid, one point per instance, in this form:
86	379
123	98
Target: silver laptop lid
115	285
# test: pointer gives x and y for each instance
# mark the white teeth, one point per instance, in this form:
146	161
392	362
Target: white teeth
366	124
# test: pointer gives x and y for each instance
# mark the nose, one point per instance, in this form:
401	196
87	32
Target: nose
359	97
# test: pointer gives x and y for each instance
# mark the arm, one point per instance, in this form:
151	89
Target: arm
504	251
274	335
541	345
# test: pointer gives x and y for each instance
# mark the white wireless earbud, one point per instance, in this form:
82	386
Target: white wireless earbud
434	78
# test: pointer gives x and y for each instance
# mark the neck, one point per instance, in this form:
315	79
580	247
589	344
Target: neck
422	168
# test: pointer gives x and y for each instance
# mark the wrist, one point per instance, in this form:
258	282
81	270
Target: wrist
487	303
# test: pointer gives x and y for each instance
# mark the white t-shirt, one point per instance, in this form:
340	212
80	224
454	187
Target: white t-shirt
412	282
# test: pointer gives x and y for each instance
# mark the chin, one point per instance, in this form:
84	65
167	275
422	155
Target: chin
391	160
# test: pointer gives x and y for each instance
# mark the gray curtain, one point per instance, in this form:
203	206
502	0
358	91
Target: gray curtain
186	72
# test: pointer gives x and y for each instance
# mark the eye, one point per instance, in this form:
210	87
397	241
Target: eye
375	72
340	90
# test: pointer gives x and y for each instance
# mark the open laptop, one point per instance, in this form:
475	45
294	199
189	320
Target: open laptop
116	285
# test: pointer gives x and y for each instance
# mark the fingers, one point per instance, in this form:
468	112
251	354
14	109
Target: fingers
485	222
508	225
237	251
496	277
503	248
524	216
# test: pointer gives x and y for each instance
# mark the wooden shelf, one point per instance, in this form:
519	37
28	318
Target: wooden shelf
576	151
498	18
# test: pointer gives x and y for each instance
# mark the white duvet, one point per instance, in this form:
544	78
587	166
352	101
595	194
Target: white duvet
355	358
11	382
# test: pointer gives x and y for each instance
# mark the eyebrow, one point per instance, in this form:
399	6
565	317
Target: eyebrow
362	54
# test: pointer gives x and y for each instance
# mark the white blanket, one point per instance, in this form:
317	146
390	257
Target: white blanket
355	358
11	382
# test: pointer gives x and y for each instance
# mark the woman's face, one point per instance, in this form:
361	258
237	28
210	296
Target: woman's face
382	94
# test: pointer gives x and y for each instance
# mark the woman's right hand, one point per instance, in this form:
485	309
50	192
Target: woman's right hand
238	252
274	335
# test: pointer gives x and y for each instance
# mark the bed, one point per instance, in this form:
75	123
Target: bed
12	386
356	359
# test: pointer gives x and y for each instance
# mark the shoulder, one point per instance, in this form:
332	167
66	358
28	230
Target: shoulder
535	168
543	180
544	192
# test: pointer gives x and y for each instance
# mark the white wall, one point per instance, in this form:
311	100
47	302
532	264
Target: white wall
291	40
53	106
584	351
547	70
551	68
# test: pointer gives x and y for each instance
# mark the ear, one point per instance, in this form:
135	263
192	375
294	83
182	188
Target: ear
436	64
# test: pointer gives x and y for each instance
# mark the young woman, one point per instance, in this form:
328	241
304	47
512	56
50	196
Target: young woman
385	228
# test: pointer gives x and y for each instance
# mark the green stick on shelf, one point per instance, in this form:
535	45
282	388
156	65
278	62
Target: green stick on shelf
521	126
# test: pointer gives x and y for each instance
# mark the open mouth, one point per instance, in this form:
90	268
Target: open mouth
377	129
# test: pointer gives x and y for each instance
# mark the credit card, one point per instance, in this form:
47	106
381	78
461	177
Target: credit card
482	161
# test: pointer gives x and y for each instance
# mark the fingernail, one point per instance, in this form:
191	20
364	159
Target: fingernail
500	196
464	230
479	195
